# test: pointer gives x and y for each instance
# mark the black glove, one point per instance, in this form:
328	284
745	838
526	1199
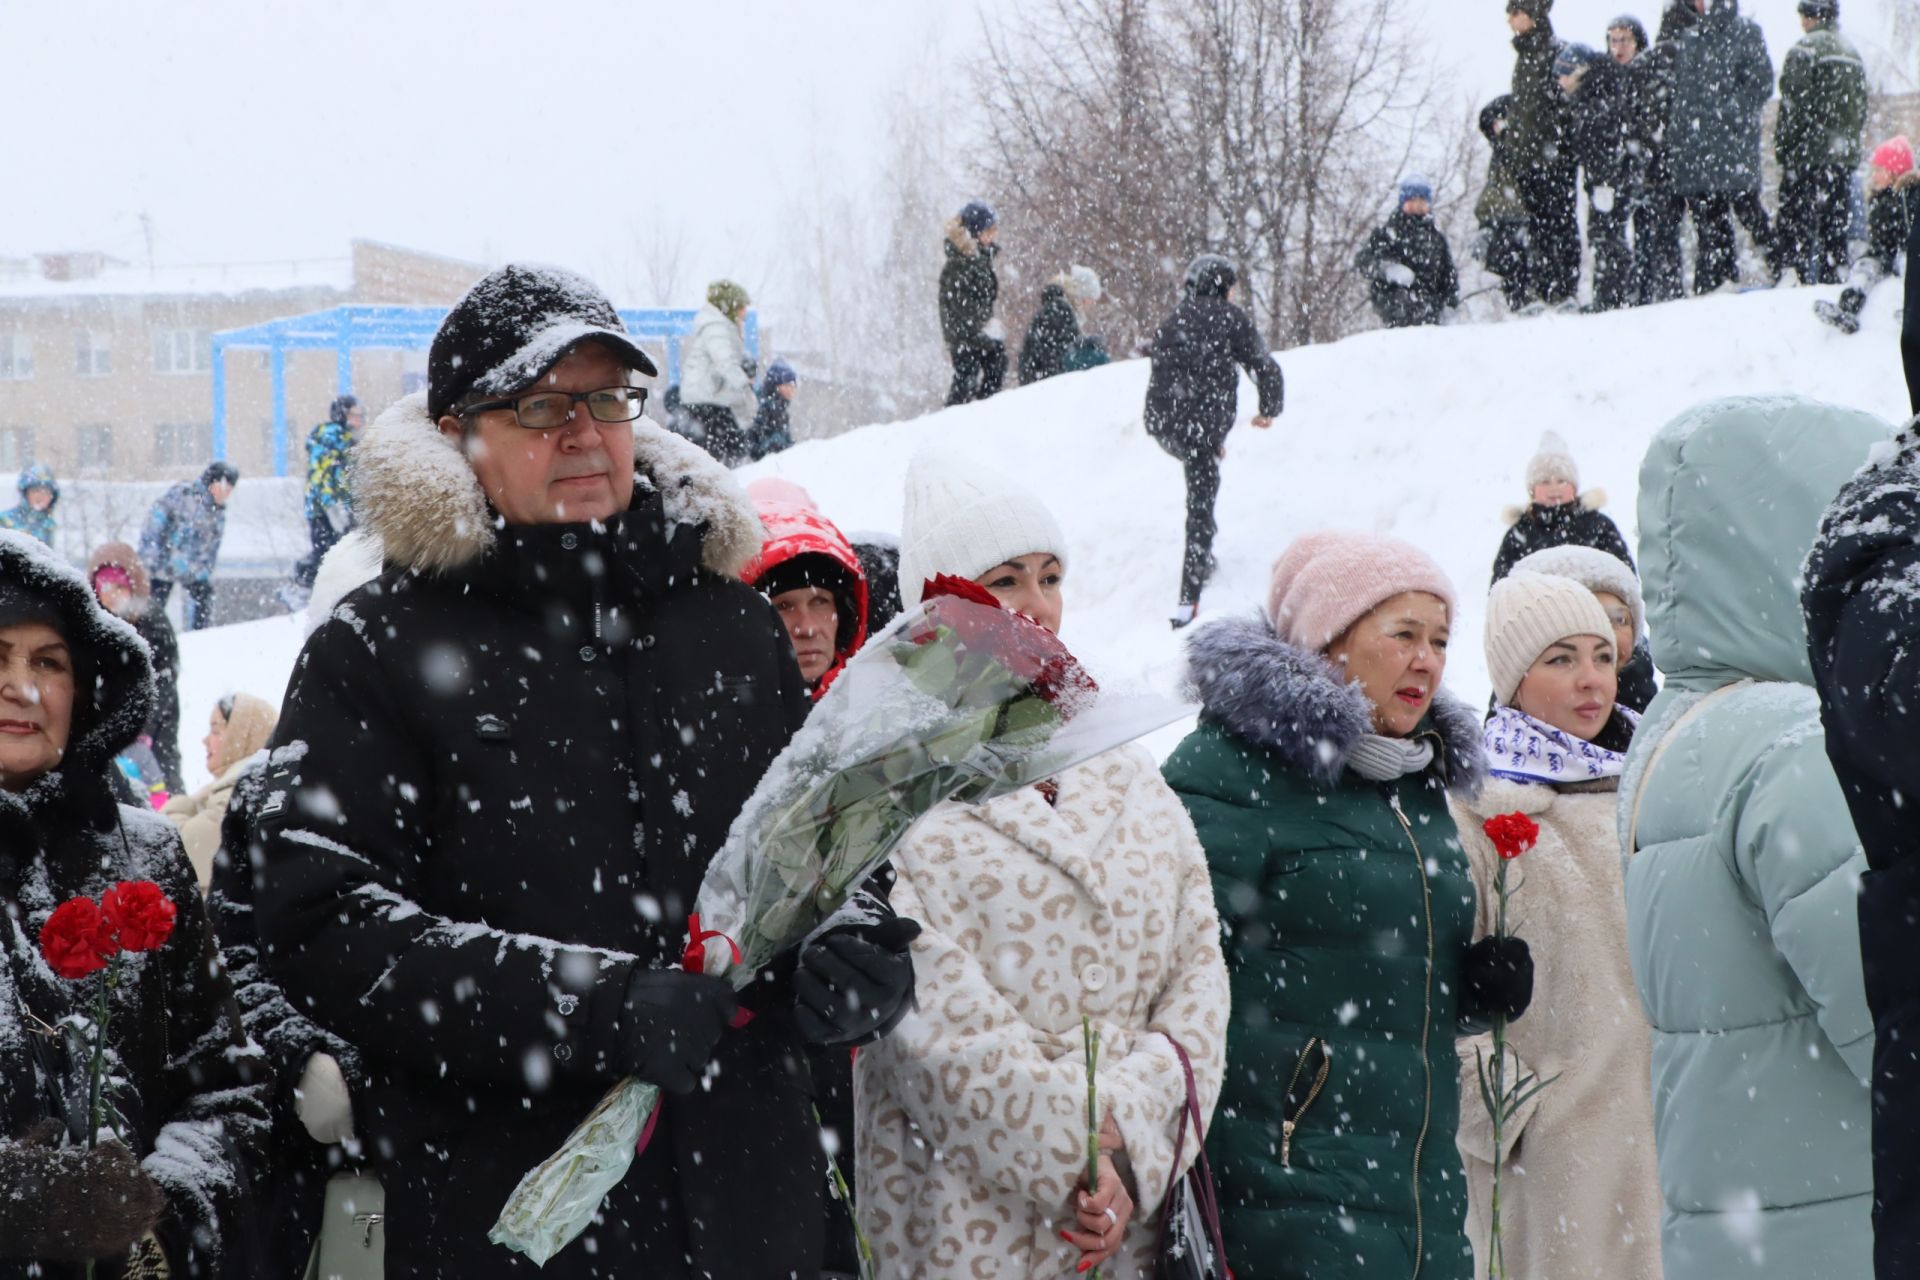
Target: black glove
71	1204
669	1022
854	984
1496	978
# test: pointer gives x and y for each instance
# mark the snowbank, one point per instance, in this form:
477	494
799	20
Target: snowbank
1421	434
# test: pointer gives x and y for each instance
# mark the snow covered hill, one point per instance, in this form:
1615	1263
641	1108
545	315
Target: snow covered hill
1423	434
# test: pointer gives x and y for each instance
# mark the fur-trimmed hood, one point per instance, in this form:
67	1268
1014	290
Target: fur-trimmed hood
416	493
1591	500
960	240
1292	702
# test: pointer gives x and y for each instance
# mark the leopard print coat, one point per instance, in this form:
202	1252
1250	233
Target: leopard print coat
973	1134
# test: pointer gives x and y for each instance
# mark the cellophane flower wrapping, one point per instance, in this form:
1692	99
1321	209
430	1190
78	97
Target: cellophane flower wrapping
956	700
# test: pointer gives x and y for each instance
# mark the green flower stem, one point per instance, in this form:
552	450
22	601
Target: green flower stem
1090	1038
869	1269
1496	1254
97	1069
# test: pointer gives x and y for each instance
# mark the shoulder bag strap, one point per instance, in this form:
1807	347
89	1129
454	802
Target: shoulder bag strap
1202	1187
1660	749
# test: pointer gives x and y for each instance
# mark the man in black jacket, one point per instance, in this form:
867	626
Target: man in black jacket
1193	395
1599	96
1542	160
1863	618
1407	263
502	769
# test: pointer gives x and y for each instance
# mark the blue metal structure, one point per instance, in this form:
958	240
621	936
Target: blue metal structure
345	330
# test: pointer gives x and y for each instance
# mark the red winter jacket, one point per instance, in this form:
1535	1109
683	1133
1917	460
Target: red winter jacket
795	527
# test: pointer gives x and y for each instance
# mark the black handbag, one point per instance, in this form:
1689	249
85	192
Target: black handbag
1191	1245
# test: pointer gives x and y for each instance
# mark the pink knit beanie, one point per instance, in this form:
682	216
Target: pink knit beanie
1895	155
1327	581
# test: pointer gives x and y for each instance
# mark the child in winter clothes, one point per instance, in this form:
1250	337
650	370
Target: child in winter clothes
1600	121
773	423
1583	1200
39	494
1501	245
1893	201
121	585
1557	512
1616	586
1088	898
968	290
1407	264
181	542
1054	342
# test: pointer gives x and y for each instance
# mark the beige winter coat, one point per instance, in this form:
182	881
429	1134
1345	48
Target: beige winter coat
1580	1197
199	815
973	1133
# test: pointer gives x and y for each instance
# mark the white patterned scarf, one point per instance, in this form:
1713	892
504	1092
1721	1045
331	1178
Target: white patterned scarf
1522	749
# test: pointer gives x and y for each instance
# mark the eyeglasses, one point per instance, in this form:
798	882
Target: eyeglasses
1619	617
545	410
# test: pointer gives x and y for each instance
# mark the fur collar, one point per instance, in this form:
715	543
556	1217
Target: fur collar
960	238
417	495
1591	500
1293	703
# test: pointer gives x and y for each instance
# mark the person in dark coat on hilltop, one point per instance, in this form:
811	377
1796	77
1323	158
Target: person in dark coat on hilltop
164	1187
1817	140
1893	210
1720	77
121	585
1193	396
1861	614
1054	341
1599	95
1659	264
1407	264
1500	244
39	495
181	541
1557	513
501	771
773	425
1543	161
968	290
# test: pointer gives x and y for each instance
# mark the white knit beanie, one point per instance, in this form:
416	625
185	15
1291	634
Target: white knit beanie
1083	284
1594	569
963	519
1551	462
1526	612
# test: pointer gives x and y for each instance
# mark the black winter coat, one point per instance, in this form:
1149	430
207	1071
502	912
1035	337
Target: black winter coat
1601	128
163	726
1414	243
1194	390
1054	330
1537	115
500	773
968	286
1721	77
1891	215
1862	616
192	1112
1578	523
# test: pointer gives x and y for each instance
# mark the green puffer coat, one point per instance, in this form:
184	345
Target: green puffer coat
968	287
1347	907
1823	104
1741	917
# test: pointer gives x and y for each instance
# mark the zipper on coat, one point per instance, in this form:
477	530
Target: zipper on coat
1426	1029
1290	1123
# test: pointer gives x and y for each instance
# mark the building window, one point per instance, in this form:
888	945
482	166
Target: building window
16	447
96	447
92	353
16	356
182	444
182	350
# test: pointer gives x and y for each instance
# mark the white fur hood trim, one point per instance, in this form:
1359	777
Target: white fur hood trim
418	496
1591	500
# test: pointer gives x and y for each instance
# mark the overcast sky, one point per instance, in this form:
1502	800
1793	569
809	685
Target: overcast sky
561	131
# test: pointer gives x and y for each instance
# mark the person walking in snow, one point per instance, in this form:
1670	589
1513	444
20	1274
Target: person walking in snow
1659	268
1600	102
121	585
1557	513
1054	339
1893	210
1581	1192
33	515
1543	162
329	501
1193	397
1817	140
500	773
968	290
237	729
1861	620
773	421
1317	781
1743	871
716	378
181	541
809	574
1084	898
1617	587
1500	244
1407	264
162	1193
1720	77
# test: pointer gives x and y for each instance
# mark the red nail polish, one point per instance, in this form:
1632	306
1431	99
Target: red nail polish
1066	1237
1084	1265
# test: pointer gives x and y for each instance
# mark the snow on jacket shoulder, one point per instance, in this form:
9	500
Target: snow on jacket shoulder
974	1111
713	366
1193	390
1741	892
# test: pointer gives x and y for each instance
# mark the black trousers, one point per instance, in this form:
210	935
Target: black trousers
1613	284
1200	462
1659	265
199	608
1553	233
321	531
1816	206
726	439
1713	251
979	369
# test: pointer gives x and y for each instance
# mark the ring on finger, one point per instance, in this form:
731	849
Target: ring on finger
1112	1217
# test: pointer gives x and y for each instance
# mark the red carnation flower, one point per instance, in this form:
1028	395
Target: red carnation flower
77	939
140	914
945	584
1512	834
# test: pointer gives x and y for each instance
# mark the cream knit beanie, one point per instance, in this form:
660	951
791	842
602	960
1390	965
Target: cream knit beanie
1594	569
1526	612
1327	581
1551	462
963	519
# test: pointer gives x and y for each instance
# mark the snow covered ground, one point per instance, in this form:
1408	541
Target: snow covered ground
1421	434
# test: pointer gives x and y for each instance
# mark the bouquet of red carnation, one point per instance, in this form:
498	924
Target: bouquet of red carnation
83	938
958	699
